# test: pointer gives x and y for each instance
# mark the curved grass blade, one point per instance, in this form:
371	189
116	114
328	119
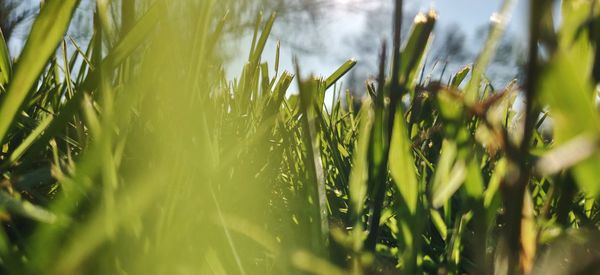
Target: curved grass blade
458	78
309	90
360	174
416	46
449	175
262	41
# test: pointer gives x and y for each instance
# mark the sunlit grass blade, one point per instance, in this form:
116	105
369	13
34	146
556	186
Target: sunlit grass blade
359	174
5	62
573	112
262	41
401	164
47	31
309	92
341	71
458	78
498	24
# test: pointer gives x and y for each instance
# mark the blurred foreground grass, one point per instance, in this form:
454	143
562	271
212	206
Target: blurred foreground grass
134	154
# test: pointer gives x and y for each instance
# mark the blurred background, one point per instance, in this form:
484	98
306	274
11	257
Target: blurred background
325	33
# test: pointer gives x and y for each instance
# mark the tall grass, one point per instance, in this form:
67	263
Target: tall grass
134	154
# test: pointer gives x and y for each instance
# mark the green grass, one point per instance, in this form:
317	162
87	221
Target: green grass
134	154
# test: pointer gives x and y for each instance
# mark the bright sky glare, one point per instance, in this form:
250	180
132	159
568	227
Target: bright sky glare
342	22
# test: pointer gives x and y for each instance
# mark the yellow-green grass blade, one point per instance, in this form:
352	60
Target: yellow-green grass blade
31	138
309	90
262	41
415	48
341	71
439	223
130	43
570	98
474	181
359	174
458	78
401	162
450	174
5	62
47	31
573	36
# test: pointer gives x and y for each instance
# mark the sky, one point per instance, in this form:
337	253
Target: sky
471	13
342	22
345	19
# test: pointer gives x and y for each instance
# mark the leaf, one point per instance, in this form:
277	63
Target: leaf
474	180
359	174
401	162
458	78
308	90
278	95
450	107
456	242
262	41
449	175
5	63
573	37
47	31
416	46
341	71
485	56
31	138
570	98
439	223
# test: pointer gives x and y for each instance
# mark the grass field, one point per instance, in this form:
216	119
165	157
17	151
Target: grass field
134	154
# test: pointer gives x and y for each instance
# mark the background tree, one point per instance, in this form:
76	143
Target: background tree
12	15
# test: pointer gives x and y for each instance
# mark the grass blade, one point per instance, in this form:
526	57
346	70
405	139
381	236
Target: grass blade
401	163
47	31
5	62
341	71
